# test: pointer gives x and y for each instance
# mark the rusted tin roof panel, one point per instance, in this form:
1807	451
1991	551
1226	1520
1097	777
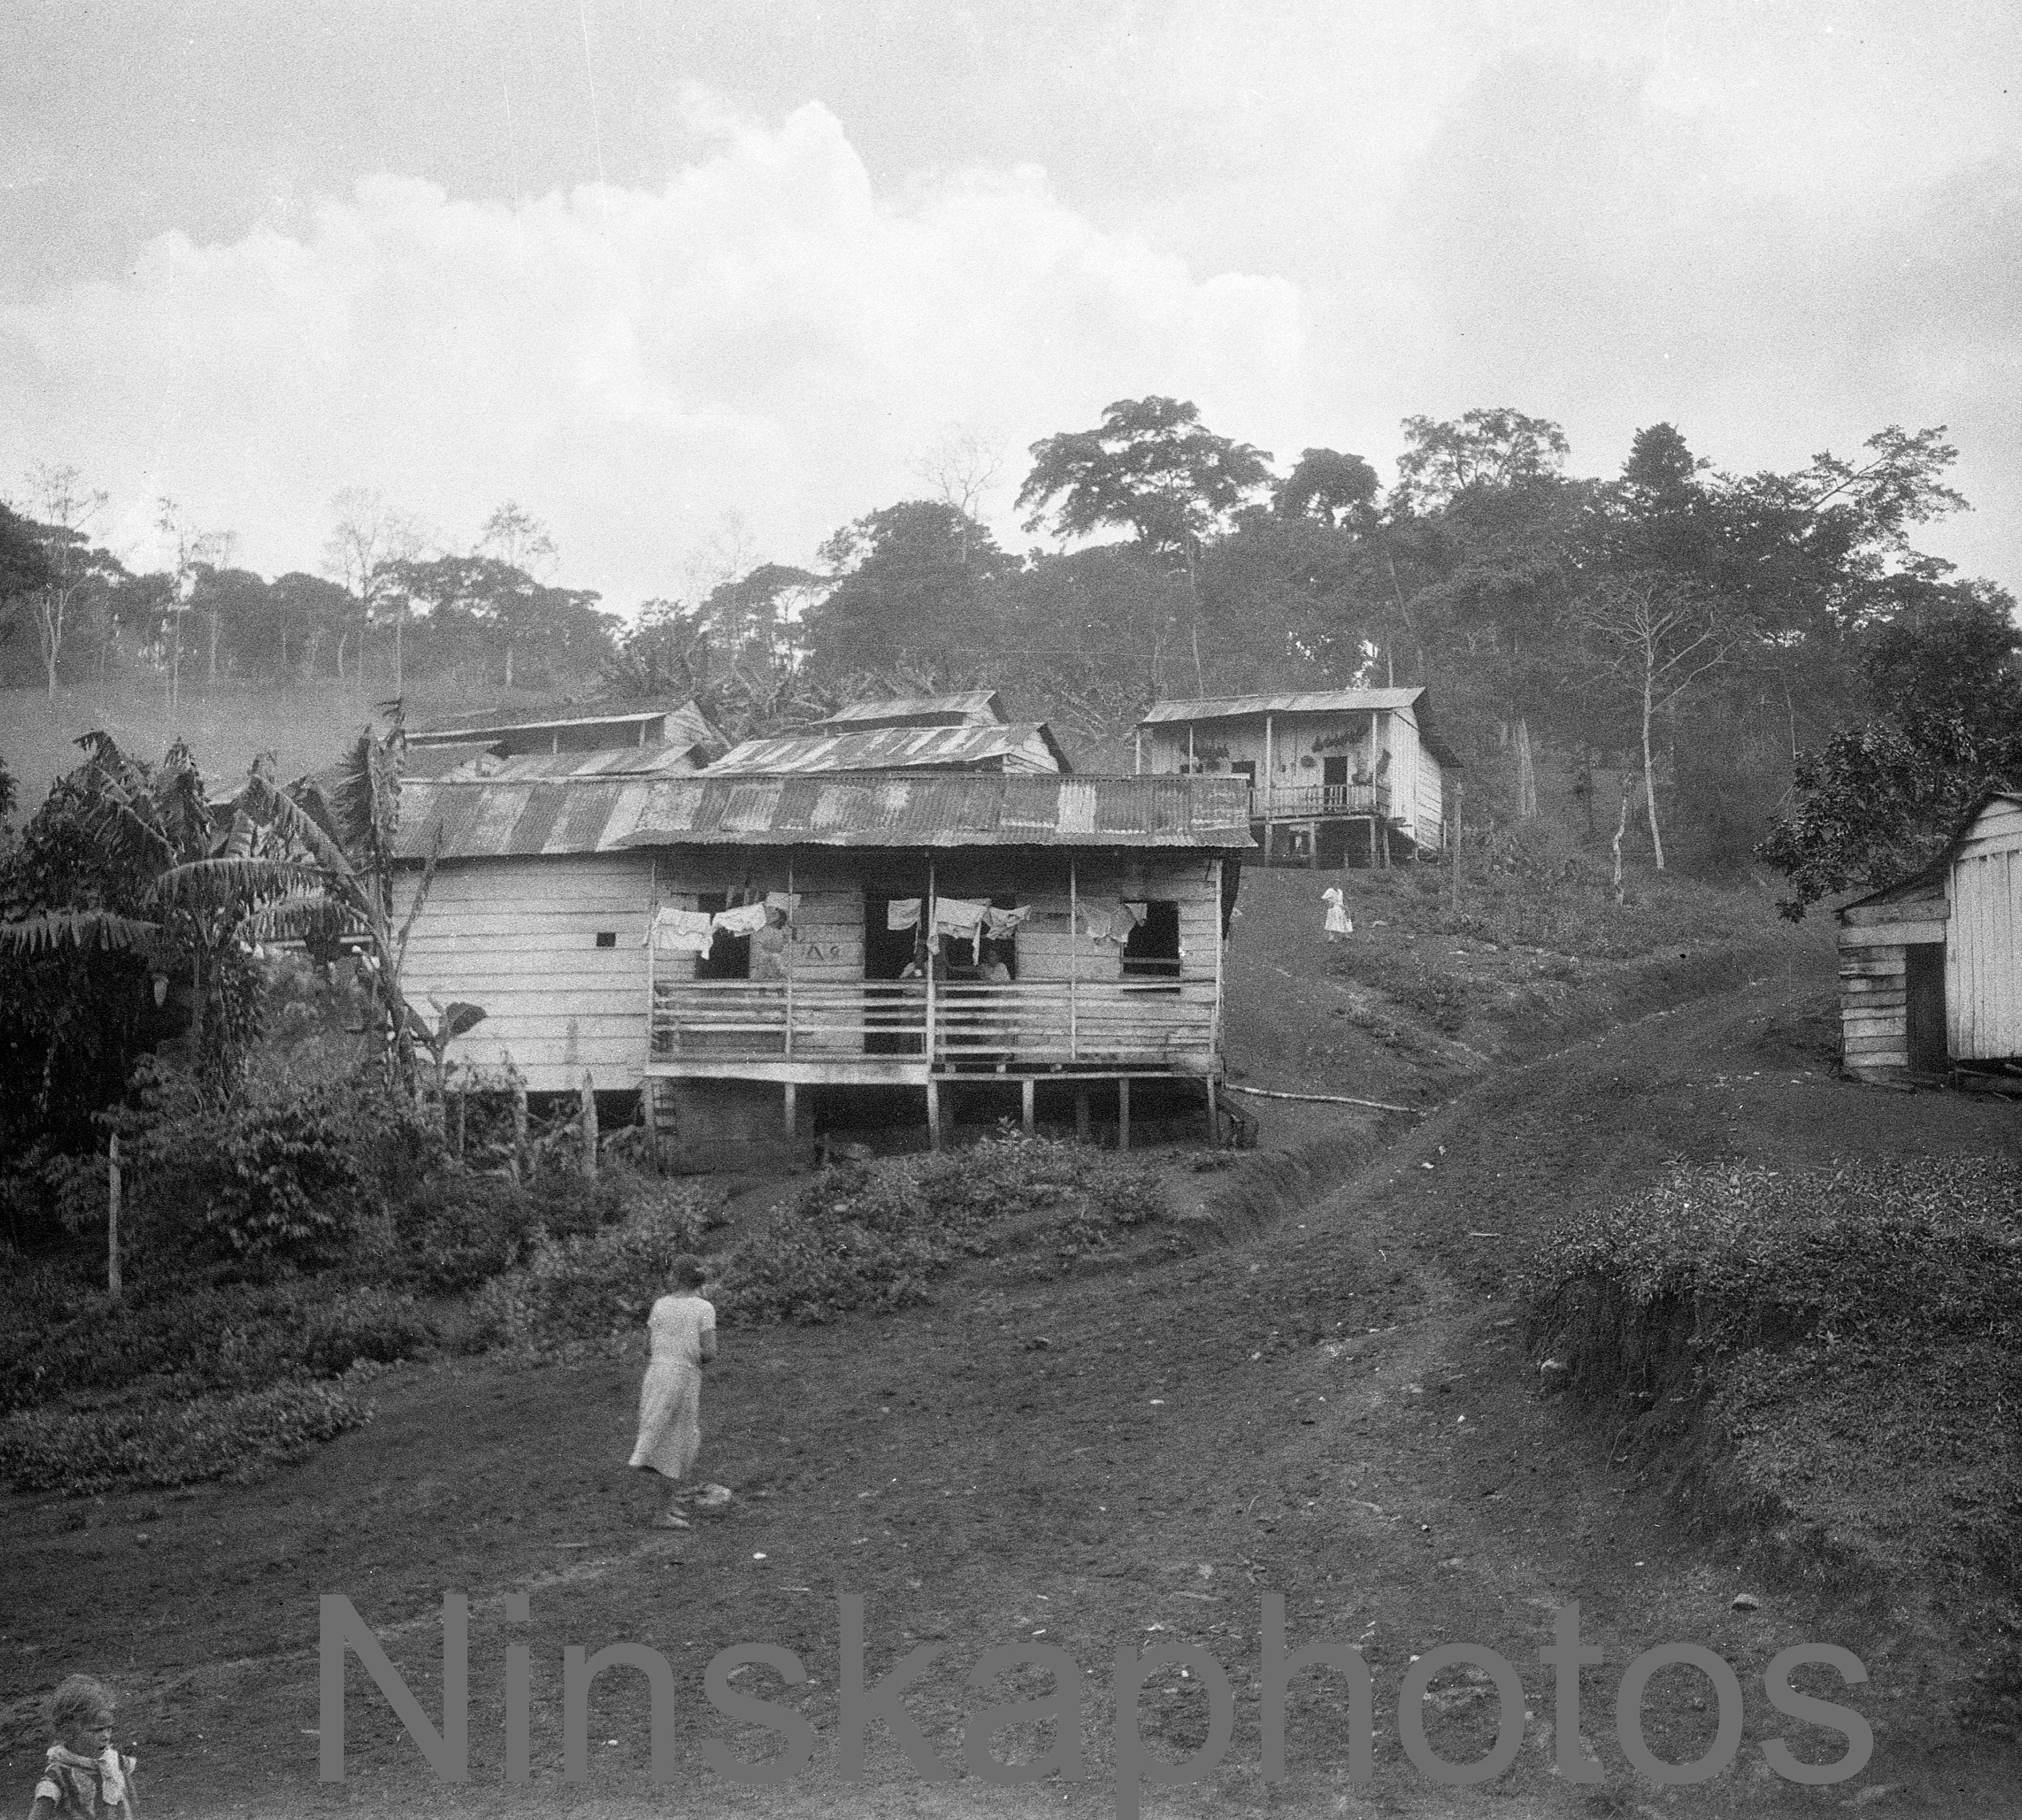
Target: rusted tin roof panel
490	818
1027	746
969	707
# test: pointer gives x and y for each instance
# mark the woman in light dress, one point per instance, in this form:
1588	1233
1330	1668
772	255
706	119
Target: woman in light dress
682	1327
1337	921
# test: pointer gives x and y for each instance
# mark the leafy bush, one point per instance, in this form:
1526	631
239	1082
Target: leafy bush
202	1337
587	1286
283	1175
461	1231
169	1440
872	1235
1847	1339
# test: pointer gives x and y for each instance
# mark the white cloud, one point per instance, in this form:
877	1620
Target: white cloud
763	334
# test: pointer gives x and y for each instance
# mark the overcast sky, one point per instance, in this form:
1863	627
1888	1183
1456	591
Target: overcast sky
640	264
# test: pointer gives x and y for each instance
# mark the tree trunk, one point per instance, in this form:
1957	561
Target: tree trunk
112	1219
1622	828
1649	781
508	664
211	672
343	638
1527	772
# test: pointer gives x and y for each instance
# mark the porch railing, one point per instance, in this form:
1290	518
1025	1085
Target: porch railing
1290	802
1037	1023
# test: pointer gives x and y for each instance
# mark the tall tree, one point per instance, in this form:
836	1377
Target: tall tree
368	540
909	585
76	573
1944	723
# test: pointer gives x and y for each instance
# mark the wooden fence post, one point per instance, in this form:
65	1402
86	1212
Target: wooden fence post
520	1160
112	1220
588	1122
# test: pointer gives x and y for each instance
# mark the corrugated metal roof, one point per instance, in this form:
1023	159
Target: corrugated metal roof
1309	702
967	708
678	759
487	819
497	725
1029	746
1312	702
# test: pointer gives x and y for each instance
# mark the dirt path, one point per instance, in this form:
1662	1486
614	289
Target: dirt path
1338	1411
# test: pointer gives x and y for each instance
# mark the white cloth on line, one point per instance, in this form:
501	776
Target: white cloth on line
741	919
788	901
683	932
903	913
1004	922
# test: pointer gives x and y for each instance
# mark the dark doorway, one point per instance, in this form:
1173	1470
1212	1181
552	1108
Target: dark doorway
1331	841
1153	949
887	953
729	957
1924	983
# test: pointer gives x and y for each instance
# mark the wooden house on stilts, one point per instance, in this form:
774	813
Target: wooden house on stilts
1335	777
732	945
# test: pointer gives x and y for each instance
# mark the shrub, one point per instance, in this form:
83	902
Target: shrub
873	1235
167	1441
1846	1339
204	1338
457	1231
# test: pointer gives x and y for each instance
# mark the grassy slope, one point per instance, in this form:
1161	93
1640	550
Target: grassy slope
977	1486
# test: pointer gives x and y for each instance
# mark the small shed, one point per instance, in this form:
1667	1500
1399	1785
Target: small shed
1930	970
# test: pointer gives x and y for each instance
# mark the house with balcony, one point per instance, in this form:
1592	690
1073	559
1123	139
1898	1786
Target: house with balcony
737	947
1335	778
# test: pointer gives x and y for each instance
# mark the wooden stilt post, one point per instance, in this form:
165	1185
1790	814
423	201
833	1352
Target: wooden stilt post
1027	1096
112	1219
521	1168
588	1123
790	1109
1123	1112
933	1114
1081	1114
1372	841
1214	1117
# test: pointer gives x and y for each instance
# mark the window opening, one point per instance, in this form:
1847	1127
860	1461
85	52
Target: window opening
1152	951
607	938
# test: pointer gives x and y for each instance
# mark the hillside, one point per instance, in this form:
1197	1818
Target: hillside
1335	1406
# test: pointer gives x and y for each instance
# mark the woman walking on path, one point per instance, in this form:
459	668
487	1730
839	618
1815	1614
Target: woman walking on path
682	1327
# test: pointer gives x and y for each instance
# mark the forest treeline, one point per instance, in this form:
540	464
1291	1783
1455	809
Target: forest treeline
1725	647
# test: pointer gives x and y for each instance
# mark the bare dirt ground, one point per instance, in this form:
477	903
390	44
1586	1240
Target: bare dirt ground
1337	1408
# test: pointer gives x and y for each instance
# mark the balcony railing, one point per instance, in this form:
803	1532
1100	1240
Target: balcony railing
1026	1024
1295	802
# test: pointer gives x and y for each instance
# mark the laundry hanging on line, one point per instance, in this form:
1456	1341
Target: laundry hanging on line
903	913
741	919
786	901
1005	922
961	919
683	932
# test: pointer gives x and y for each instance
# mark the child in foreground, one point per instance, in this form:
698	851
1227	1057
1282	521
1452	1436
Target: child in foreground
84	1778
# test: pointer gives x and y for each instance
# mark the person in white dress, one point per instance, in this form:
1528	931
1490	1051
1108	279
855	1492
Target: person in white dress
682	1328
1337	921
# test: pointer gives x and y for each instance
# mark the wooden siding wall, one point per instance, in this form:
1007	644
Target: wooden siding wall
1874	980
1983	953
519	937
1295	738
